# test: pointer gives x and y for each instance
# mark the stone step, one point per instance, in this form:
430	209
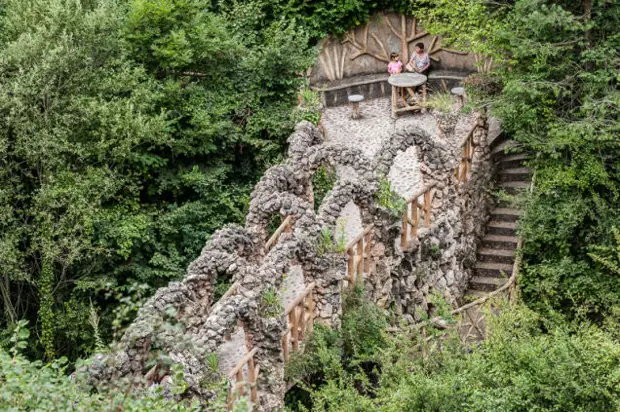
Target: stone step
511	161
499	242
488	284
501	148
493	270
517	174
474	294
496	255
506	214
513	188
497	227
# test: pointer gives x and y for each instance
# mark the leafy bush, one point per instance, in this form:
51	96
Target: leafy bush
389	199
323	180
518	367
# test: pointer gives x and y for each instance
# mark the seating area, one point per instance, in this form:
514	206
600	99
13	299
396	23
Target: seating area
372	86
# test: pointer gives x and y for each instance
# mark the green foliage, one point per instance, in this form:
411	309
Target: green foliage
440	101
309	107
554	87
363	326
607	256
323	180
328	354
139	129
36	386
271	306
389	199
518	367
331	240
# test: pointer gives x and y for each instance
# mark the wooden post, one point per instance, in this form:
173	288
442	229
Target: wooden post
394	99
310	304
295	330
360	257
403	235
414	217
350	265
240	379
427	208
424	97
285	345
252	376
302	320
367	253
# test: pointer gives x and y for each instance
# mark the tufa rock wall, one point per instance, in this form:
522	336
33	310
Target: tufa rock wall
440	259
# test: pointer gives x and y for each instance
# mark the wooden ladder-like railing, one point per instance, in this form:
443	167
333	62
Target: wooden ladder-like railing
242	384
358	256
468	148
285	226
300	315
414	212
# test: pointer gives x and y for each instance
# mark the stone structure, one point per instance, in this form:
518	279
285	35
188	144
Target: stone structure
439	259
356	63
366	49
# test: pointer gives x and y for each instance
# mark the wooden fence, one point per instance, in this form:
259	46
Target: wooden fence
242	384
414	213
358	256
468	148
285	226
300	315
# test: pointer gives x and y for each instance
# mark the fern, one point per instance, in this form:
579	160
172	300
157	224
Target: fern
608	261
93	320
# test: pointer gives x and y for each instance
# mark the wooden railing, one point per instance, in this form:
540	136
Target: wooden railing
242	385
414	213
358	255
468	148
300	314
232	290
285	226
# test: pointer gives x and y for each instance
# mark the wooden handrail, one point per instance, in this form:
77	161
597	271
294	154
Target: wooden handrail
242	362
358	255
411	215
232	290
240	385
299	298
421	192
358	237
300	315
284	226
468	148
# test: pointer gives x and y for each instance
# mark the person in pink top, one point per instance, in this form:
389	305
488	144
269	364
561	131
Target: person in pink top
395	66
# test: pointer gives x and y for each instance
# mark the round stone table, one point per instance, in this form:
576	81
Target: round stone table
403	84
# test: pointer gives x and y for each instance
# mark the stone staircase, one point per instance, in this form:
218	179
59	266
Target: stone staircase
497	252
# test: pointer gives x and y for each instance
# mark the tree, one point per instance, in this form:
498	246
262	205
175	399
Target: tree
130	132
557	76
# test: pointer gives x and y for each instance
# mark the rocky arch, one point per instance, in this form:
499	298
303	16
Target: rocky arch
436	157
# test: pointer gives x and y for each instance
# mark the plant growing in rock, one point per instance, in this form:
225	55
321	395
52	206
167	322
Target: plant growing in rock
389	199
309	106
323	180
442	109
271	306
327	242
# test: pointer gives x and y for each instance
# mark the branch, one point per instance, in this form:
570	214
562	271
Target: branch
374	36
389	23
